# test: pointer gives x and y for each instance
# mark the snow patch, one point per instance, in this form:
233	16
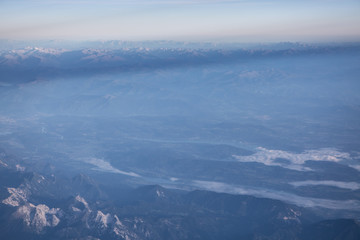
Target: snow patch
121	230
38	217
41	178
103	219
160	193
17	197
75	209
19	168
346	185
3	164
291	215
55	220
80	199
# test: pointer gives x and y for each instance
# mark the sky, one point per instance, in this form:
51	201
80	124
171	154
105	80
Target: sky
181	20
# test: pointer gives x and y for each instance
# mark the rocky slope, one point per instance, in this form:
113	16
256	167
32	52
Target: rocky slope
41	207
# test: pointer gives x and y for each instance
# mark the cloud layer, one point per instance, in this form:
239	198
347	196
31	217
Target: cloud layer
283	196
102	165
345	185
294	161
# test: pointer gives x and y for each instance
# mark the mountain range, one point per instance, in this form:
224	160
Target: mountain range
38	206
160	140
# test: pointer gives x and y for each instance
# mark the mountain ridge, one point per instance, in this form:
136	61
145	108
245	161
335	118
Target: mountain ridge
153	212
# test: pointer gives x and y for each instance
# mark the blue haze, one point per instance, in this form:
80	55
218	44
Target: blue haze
254	120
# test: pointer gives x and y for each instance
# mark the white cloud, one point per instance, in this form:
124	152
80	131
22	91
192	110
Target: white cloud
7	120
357	167
296	160
345	185
104	166
283	196
249	74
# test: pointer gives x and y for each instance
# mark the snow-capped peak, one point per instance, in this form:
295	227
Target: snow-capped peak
103	219
17	197
20	168
3	164
39	216
80	199
121	230
160	193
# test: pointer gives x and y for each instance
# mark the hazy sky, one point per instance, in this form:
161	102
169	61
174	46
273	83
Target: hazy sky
194	20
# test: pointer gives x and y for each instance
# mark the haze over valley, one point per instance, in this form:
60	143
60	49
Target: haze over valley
174	120
276	121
